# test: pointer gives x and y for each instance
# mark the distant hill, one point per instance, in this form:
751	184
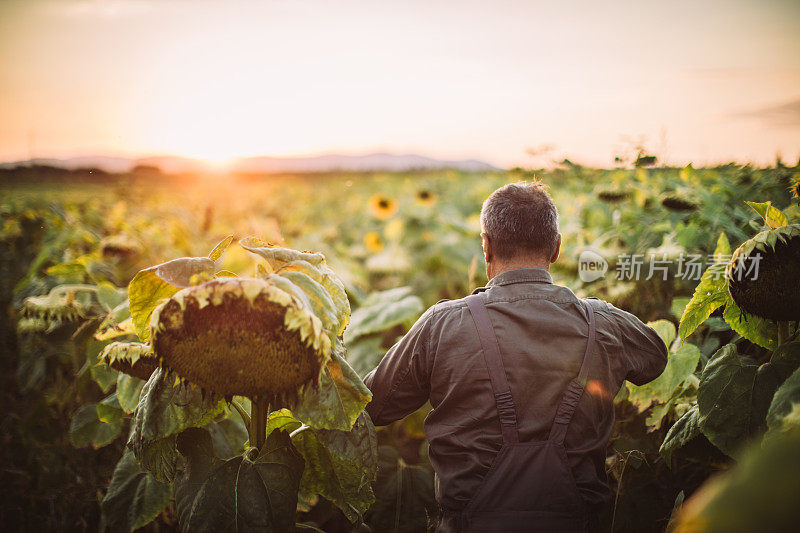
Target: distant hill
266	165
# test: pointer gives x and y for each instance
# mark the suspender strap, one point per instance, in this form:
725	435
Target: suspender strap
497	372
575	388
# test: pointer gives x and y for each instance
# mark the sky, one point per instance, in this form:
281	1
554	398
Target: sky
512	83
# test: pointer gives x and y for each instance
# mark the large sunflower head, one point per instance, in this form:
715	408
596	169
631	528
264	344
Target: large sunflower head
764	274
234	336
382	207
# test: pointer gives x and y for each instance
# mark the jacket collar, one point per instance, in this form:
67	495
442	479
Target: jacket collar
520	275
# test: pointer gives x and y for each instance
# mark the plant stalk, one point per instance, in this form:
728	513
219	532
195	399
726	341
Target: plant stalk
258	421
783	336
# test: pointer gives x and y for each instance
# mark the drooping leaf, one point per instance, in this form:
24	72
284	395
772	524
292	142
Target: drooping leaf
724	399
709	294
685	429
340	465
241	494
87	429
220	248
773	217
152	285
284	260
753	328
165	409
134	497
680	364
383	310
338	401
404	496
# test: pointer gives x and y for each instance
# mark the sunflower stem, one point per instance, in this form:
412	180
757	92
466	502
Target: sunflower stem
258	420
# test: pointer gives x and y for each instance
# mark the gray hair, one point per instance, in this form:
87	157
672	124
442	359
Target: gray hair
521	219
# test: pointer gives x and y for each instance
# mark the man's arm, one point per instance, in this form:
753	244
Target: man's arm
400	384
644	350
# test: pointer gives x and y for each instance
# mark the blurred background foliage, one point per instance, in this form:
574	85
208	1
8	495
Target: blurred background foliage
400	242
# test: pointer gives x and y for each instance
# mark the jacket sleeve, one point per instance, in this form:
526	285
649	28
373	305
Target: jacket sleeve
644	351
400	384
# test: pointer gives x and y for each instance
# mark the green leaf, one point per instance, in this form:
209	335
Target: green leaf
365	353
128	390
104	376
240	494
150	286
769	378
772	216
164	410
134	497
709	294
117	323
339	399
753	328
685	429
665	330
383	310
339	464
784	411
405	499
87	428
229	435
109	410
220	248
724	399
680	365
109	296
760	493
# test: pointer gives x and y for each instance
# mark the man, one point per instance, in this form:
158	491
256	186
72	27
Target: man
521	378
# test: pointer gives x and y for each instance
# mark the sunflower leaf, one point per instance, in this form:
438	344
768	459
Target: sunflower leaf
240	494
152	285
710	293
773	217
164	410
339	399
134	497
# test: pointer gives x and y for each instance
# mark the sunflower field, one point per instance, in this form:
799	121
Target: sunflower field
294	287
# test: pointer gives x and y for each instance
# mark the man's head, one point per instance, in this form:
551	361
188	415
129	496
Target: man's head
519	224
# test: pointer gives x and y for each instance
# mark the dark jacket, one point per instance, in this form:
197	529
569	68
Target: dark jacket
542	332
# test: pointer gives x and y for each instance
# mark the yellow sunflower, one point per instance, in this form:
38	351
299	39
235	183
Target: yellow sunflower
794	188
382	207
373	242
425	197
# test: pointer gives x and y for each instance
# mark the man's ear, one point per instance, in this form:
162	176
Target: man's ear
488	254
557	249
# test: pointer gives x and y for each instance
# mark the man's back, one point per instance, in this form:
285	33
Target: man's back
542	331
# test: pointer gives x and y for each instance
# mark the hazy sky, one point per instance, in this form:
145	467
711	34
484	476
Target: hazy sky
696	80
